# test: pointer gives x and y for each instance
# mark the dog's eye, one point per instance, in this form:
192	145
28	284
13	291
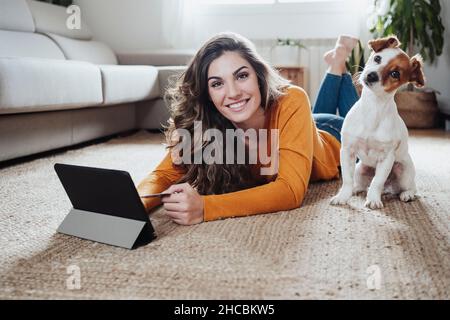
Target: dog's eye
395	74
377	59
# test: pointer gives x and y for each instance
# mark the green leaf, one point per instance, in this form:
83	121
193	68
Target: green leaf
422	18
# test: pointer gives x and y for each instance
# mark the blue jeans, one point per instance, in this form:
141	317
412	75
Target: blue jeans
336	93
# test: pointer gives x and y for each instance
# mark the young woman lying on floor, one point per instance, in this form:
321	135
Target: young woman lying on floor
229	86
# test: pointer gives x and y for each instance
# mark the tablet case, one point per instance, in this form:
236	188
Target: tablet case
106	207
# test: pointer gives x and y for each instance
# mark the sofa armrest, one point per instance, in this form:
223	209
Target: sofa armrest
167	57
167	74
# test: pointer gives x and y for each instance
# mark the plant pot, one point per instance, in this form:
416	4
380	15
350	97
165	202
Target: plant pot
444	109
285	56
417	109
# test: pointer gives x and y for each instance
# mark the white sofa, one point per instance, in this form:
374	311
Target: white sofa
59	87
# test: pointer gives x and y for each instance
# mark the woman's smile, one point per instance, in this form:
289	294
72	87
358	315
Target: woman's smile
238	106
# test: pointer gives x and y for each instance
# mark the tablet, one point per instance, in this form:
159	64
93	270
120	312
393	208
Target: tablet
106	206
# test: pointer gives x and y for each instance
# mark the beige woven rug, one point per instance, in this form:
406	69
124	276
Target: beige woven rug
315	252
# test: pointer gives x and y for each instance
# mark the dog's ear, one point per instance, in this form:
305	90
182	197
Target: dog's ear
416	75
379	44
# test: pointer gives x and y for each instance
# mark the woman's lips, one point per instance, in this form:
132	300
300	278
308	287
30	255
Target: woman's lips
238	106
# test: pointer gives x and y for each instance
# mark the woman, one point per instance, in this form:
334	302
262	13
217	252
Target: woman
229	86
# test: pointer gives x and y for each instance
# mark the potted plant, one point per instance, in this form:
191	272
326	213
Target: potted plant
418	26
356	61
286	52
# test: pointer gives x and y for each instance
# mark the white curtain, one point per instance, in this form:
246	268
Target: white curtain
178	23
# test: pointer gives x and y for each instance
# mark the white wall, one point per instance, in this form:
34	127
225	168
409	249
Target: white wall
124	24
301	20
137	24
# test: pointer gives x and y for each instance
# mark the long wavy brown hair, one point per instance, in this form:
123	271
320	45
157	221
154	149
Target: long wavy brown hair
189	101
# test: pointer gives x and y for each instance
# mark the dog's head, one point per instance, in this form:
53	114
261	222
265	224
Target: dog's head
389	67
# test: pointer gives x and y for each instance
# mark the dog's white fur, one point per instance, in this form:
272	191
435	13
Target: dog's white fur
374	132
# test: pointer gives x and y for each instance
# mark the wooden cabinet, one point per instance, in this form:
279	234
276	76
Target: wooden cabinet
295	74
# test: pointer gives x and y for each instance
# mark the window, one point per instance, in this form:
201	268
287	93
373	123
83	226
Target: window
272	7
294	1
225	2
212	2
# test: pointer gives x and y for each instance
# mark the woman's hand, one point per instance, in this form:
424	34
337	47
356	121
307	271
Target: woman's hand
184	205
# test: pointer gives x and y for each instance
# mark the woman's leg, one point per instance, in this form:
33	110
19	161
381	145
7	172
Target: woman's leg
330	123
328	98
347	95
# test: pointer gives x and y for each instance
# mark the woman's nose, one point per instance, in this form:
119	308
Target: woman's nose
233	91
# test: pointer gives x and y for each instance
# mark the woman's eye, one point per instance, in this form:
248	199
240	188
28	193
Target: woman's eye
377	59
395	74
216	84
243	75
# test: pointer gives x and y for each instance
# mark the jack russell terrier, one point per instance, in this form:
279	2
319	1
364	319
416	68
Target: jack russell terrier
374	132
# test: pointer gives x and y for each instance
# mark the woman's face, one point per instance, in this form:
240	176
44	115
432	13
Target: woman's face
233	88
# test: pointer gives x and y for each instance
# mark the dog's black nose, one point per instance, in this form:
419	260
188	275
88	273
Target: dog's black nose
372	77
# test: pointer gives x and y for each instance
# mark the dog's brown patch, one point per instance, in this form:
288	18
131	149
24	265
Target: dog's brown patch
380	44
416	76
409	70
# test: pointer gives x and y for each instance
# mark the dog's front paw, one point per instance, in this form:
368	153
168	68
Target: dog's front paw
341	198
407	195
373	203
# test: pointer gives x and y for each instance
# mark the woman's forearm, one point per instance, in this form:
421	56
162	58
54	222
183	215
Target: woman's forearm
275	196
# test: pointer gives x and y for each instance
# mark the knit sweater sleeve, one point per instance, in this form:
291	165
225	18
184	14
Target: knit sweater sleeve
165	174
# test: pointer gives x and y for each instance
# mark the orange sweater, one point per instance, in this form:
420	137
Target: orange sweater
305	153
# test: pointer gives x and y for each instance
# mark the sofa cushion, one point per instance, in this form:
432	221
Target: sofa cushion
31	84
84	50
26	44
129	83
51	18
15	15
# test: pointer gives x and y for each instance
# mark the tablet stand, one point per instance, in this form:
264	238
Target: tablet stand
116	231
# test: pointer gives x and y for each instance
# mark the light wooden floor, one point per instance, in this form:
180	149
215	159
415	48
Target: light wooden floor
441	133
